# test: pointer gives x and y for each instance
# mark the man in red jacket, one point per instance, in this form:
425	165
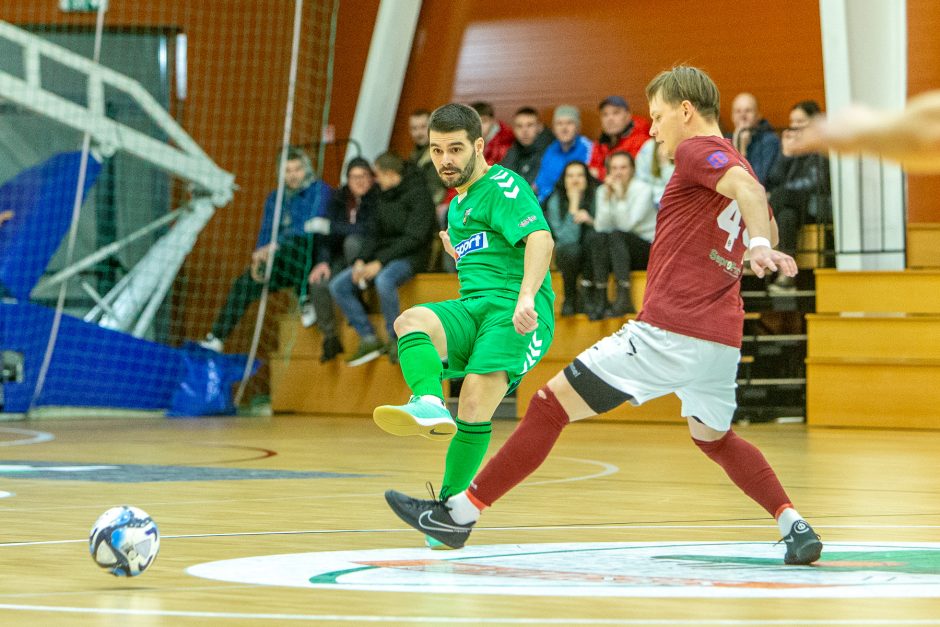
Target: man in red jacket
622	132
497	136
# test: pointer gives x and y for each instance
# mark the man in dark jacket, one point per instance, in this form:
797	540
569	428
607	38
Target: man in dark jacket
532	138
420	156
396	246
753	136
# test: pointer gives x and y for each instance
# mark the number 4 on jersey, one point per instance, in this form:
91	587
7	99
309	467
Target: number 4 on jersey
729	221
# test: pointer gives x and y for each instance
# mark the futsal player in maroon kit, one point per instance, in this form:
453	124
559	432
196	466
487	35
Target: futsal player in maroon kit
686	339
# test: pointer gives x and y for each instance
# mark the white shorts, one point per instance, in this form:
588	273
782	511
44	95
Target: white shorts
645	362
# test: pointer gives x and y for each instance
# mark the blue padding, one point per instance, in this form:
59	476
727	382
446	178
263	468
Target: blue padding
41	199
206	387
91	366
97	367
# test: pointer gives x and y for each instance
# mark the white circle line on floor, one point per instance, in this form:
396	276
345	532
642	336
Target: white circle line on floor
624	527
442	620
35	437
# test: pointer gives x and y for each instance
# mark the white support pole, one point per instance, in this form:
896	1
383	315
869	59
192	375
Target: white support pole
134	307
383	77
865	61
103	253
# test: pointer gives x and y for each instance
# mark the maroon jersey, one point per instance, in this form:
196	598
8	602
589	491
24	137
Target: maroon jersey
694	273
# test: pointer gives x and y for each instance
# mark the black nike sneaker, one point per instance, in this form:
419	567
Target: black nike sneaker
803	545
431	518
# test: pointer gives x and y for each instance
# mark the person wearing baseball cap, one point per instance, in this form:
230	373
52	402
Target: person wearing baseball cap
621	132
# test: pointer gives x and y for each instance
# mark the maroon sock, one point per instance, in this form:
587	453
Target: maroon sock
524	451
748	468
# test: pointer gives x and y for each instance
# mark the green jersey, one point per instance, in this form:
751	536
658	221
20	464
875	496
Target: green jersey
487	225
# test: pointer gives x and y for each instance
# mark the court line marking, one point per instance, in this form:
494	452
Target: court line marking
259	499
608	469
625	527
38	437
476	620
5	495
10	596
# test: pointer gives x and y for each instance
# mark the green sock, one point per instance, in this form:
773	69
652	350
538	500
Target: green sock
420	364
464	456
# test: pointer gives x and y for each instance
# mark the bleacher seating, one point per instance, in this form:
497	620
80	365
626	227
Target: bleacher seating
297	380
873	350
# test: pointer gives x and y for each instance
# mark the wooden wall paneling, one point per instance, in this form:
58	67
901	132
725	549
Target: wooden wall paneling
513	55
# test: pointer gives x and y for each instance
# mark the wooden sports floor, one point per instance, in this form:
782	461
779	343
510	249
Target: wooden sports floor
626	524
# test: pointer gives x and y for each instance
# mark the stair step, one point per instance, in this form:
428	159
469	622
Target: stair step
779	381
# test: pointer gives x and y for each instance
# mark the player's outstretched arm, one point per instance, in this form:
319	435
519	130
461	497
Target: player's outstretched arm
910	137
538	257
740	186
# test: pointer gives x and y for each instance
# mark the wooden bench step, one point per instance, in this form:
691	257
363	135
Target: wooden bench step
887	393
873	337
906	291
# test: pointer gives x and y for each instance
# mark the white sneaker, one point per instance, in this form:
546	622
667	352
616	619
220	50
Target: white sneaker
308	314
212	343
416	417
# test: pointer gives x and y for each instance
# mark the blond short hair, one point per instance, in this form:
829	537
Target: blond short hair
684	82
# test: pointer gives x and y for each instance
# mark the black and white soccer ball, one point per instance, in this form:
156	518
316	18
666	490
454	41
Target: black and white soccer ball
124	541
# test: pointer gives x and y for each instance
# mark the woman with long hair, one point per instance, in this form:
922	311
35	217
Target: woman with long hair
570	213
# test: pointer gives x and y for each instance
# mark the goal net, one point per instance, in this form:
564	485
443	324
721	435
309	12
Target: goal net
142	165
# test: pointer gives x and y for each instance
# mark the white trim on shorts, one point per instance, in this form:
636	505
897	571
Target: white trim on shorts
647	362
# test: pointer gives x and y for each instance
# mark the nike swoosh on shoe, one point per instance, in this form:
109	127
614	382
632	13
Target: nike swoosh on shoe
437	525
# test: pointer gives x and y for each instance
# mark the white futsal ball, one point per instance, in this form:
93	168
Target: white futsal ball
124	541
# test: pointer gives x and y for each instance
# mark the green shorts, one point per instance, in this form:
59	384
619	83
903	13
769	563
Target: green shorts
481	338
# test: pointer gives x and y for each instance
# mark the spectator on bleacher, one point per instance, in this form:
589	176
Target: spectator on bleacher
420	156
569	145
910	136
348	212
625	221
497	135
798	188
621	132
531	140
570	213
300	241
753	135
396	247
654	168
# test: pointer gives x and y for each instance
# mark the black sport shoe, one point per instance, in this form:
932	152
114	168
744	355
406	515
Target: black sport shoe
369	349
803	545
331	348
430	518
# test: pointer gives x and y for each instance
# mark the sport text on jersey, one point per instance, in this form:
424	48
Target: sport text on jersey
726	264
475	242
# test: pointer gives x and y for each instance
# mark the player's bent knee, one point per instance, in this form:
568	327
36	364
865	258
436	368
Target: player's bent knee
545	406
401	325
410	321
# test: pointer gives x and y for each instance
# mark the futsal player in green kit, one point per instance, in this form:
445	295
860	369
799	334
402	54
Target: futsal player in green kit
503	322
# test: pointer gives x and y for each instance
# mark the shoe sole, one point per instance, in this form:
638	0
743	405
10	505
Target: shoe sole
436	545
365	358
399	422
810	553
